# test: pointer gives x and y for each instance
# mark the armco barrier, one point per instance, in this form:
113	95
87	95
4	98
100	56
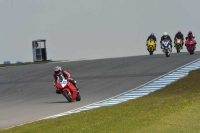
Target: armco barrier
19	62
6	62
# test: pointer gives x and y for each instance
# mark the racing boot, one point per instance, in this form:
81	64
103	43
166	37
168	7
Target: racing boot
182	46
74	83
58	91
161	46
77	89
147	47
171	48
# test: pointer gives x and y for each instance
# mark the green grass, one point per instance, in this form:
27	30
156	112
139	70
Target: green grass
24	63
173	109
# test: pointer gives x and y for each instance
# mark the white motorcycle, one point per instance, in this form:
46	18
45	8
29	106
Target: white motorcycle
166	47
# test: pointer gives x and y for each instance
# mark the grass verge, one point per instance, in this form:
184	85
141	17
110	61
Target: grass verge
175	108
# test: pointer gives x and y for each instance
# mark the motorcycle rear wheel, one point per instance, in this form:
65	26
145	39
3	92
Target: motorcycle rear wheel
78	97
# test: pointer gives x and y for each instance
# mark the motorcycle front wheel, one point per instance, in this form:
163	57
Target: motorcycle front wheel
68	96
167	54
178	49
151	52
191	52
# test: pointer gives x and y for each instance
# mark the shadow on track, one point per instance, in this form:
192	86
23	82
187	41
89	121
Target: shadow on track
57	102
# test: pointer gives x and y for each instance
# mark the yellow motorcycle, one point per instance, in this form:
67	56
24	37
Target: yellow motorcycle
178	45
151	46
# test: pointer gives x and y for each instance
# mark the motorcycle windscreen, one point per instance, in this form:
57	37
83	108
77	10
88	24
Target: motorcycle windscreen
165	42
178	40
61	81
190	38
60	78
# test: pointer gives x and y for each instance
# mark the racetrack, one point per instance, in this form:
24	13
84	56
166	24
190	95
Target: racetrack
27	93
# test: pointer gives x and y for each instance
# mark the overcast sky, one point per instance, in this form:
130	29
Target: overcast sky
90	29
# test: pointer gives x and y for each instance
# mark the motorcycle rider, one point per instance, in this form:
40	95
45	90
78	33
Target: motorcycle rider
166	36
179	35
58	71
191	35
151	36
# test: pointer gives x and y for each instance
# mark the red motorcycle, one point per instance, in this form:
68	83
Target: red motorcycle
190	45
64	86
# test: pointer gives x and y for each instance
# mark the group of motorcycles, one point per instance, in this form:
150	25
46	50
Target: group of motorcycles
151	46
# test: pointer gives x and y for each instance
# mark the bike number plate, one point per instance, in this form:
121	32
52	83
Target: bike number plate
64	82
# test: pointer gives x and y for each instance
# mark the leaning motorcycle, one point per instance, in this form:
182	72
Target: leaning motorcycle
166	47
151	46
178	44
64	86
190	45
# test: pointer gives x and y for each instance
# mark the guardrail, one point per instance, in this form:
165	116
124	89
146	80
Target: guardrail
19	62
6	62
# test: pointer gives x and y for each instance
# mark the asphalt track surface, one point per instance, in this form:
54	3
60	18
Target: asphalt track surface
27	93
